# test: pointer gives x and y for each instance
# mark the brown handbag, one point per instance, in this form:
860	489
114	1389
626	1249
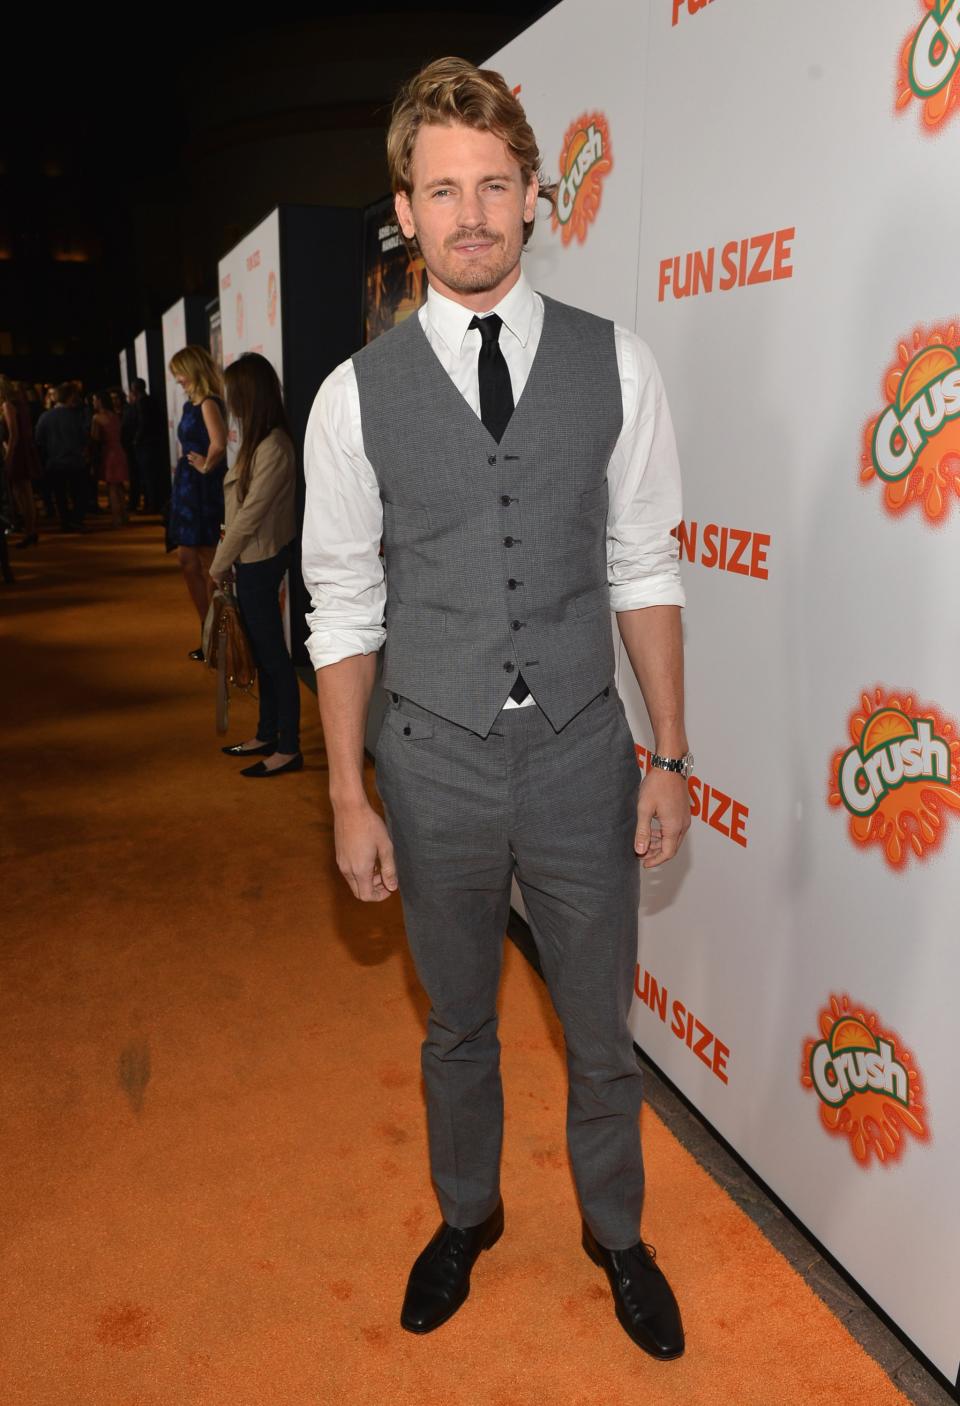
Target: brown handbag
226	650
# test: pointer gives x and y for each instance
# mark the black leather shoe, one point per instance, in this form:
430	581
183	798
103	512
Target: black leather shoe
644	1301
440	1278
266	749
195	654
258	769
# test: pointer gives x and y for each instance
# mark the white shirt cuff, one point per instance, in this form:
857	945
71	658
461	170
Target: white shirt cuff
663	589
330	646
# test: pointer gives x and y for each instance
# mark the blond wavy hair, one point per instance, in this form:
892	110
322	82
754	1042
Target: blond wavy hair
453	90
199	370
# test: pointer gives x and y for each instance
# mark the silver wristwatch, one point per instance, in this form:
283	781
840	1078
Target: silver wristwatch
682	765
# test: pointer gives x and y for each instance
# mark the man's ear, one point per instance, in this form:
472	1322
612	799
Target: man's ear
530	199
401	203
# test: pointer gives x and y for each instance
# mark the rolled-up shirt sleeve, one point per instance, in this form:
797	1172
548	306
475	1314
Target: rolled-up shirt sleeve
643	477
342	527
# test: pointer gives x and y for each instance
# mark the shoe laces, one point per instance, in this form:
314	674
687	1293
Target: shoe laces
640	1256
452	1242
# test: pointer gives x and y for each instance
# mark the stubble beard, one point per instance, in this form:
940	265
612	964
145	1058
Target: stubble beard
476	277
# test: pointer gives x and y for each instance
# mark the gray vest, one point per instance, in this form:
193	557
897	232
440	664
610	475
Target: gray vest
495	553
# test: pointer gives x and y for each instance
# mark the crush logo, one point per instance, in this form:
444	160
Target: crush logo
913	446
930	64
239	314
899	781
272	298
868	1087
586	159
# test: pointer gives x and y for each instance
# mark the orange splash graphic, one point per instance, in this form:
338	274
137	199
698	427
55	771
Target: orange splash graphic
875	1119
936	108
911	815
585	160
934	480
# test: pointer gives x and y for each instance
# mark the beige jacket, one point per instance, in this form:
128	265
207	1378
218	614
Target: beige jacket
265	522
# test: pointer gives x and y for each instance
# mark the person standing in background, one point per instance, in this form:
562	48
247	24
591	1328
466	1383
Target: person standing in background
83	403
196	499
151	448
21	460
112	461
125	408
38	405
259	495
33	396
62	445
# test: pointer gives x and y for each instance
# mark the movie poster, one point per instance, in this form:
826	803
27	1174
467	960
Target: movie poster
395	283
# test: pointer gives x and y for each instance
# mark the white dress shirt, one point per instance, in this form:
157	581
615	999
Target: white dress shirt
343	518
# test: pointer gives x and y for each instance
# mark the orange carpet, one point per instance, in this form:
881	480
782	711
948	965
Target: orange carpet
213	1173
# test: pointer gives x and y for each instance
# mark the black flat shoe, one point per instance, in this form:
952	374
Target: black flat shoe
440	1278
266	749
258	769
643	1299
30	540
196	654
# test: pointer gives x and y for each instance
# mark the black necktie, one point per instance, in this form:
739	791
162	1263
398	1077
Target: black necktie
496	407
496	393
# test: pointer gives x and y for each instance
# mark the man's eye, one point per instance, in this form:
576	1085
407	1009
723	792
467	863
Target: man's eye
443	191
496	185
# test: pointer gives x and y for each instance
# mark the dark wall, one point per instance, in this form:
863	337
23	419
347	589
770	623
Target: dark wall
118	193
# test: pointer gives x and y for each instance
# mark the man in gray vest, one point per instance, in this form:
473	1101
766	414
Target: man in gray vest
516	457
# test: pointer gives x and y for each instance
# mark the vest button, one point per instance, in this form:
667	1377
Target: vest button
406	732
395	697
508	667
505	500
491	458
512	584
508	541
515	624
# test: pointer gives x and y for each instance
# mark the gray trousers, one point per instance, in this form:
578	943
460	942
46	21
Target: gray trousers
558	810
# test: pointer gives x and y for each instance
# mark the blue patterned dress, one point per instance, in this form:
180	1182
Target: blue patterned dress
196	499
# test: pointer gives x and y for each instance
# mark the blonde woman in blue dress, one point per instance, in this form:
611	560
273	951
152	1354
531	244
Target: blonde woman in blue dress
196	495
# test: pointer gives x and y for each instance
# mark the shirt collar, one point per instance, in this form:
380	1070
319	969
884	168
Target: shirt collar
451	321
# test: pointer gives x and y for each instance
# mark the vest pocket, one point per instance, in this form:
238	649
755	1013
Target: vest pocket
397	515
592	601
416	617
595	498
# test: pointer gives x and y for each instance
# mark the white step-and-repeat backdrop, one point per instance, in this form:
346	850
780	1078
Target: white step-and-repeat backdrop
250	303
767	193
173	326
141	359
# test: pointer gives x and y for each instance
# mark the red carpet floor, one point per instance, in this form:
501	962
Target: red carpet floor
213	1172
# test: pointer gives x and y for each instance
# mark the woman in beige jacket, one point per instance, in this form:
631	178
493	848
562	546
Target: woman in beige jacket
259	503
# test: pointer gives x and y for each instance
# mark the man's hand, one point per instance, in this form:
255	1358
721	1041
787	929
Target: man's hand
364	853
664	795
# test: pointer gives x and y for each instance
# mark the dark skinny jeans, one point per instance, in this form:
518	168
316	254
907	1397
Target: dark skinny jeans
258	583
